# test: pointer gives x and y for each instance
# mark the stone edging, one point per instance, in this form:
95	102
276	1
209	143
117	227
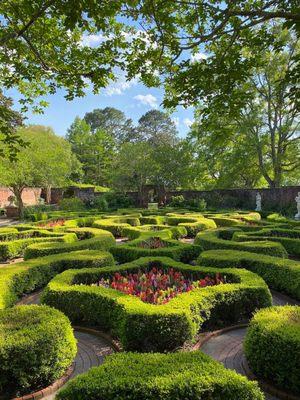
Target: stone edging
114	344
267	387
49	389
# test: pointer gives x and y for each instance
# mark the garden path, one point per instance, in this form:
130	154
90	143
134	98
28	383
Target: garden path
227	348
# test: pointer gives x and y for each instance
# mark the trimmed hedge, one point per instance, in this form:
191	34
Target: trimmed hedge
289	238
102	240
147	327
280	274
210	240
272	346
174	249
26	276
131	376
37	345
16	248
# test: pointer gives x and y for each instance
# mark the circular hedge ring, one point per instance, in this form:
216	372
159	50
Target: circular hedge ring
272	346
37	345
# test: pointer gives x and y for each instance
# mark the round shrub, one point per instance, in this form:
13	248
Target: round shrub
37	345
272	346
184	375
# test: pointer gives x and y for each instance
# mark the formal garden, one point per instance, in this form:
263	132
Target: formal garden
178	304
149	200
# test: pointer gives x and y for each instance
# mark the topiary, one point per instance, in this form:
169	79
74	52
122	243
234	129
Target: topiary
37	345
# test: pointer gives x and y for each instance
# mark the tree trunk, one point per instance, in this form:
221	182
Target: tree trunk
18	193
48	194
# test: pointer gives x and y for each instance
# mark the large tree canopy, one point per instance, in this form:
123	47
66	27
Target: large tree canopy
45	162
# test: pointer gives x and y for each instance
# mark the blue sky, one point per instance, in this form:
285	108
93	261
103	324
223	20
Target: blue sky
133	98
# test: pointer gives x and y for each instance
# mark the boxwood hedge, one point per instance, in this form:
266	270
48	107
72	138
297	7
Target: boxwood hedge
289	238
24	277
15	248
176	376
272	346
279	273
212	239
101	240
37	345
147	327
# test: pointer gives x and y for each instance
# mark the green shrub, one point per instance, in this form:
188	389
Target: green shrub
279	273
37	345
131	376
71	204
272	346
148	327
103	240
16	248
27	276
177	201
289	238
212	239
100	203
118	200
173	248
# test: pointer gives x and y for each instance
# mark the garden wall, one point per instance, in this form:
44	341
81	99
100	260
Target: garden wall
30	196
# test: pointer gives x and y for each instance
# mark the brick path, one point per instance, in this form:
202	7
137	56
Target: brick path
91	349
228	347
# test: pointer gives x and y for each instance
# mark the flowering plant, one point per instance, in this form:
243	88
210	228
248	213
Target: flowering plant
157	286
52	224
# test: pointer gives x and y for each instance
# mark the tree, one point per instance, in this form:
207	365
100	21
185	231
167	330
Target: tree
113	121
10	120
46	161
95	150
157	127
269	119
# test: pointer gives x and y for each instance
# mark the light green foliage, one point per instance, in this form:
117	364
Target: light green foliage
37	345
191	375
148	327
272	346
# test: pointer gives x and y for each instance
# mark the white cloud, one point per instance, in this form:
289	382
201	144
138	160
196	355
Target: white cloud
120	85
92	40
176	121
188	122
147	99
198	57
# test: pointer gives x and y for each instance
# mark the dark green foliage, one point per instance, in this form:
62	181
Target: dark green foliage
279	273
25	277
37	345
177	376
71	204
147	327
272	346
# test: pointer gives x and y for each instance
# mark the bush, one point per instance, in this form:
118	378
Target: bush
37	345
272	346
100	203
71	204
147	327
118	200
131	376
27	276
177	201
102	240
212	240
279	273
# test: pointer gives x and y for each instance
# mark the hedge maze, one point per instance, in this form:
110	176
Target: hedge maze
202	271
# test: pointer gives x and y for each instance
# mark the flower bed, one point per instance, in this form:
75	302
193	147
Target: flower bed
153	243
156	327
157	286
52	224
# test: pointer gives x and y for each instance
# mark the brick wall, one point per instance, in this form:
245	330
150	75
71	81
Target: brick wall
30	196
